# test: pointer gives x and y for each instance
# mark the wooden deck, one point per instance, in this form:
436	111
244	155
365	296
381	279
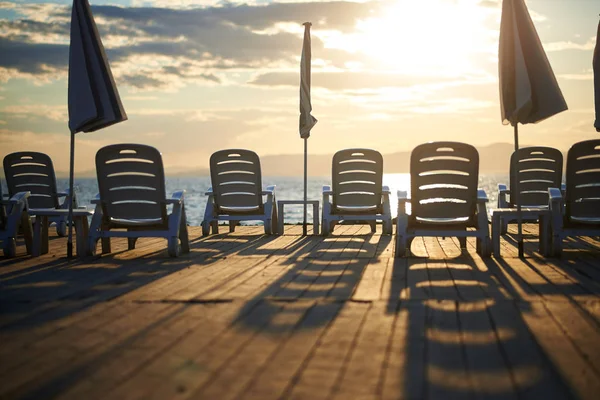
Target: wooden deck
246	316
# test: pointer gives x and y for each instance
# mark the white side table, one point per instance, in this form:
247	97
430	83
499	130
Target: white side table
40	228
541	214
282	203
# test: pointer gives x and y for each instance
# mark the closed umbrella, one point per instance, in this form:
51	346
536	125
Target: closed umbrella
596	64
529	92
307	121
94	101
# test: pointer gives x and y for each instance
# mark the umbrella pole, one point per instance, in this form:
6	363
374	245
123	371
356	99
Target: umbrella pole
517	198
70	220
305	184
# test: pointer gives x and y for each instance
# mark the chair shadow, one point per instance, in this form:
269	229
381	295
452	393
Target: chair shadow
462	336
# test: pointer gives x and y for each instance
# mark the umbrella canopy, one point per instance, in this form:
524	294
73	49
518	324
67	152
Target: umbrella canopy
529	91
596	64
307	121
94	101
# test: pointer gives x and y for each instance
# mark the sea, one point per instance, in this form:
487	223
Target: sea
287	188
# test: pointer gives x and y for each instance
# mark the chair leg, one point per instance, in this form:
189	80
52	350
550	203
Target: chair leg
232	225
106	248
373	225
183	234
215	227
463	242
131	243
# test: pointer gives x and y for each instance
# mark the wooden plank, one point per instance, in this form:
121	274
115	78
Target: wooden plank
446	369
572	367
318	377
371	282
232	379
489	372
363	373
405	367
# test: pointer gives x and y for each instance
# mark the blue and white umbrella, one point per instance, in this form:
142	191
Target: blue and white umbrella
94	101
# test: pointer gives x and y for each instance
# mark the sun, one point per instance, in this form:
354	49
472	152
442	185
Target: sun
433	37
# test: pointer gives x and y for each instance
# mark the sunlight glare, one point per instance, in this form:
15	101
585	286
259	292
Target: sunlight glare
434	37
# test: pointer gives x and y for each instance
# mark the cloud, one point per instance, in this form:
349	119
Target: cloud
569	45
192	44
53	113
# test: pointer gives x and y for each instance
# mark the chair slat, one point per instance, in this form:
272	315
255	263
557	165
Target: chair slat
445	178
550	165
131	180
585	192
134	194
585	209
444	210
358	200
534	198
368	176
445	193
359	187
135	210
241	199
129	167
240	187
584	178
440	165
540	186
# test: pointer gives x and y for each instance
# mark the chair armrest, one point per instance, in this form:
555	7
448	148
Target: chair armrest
176	197
209	192
503	188
554	194
482	196
403	196
563	189
269	190
385	190
96	200
19	197
327	189
62	194
402	200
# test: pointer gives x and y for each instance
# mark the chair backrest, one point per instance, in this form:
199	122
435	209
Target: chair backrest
131	182
236	180
357	176
444	178
583	180
29	171
538	168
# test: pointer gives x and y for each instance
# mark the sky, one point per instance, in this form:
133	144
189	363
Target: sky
197	76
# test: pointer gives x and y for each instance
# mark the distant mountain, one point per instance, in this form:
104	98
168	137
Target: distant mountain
492	159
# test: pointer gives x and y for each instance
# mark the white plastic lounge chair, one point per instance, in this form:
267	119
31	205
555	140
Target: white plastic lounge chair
581	203
445	199
236	193
539	168
29	171
132	199
357	193
13	215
